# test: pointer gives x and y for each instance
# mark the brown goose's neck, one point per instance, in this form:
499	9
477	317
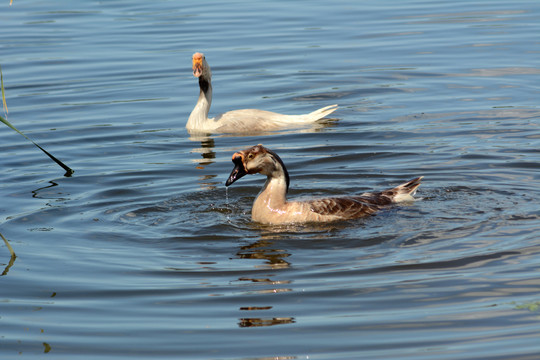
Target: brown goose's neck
278	169
274	192
271	200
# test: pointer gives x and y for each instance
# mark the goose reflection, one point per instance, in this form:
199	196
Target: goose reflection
208	155
263	249
274	259
207	146
256	322
208	143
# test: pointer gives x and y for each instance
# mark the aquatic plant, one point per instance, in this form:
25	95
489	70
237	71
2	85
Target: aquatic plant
532	306
8	245
13	256
69	171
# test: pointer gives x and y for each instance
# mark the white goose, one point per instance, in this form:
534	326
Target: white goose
272	207
238	121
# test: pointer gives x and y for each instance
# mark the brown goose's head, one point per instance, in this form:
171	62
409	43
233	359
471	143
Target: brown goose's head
254	160
200	66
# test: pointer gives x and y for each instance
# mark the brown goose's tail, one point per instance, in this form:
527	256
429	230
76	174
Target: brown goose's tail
404	192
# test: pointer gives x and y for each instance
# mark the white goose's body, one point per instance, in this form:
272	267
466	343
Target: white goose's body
238	121
272	207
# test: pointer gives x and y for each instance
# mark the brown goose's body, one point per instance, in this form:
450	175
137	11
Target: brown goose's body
271	205
238	121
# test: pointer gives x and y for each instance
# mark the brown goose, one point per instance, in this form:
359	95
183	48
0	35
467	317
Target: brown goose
272	207
238	121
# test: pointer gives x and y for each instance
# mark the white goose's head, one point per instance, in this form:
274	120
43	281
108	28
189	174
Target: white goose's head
201	69
257	159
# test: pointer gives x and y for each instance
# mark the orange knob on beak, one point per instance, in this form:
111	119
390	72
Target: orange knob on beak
197	64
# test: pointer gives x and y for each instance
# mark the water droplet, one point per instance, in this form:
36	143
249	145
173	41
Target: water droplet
227	204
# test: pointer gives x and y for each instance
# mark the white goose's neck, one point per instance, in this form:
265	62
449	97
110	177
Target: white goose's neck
198	119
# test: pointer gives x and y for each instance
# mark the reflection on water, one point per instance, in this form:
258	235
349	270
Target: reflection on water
9	264
264	249
206	183
257	322
39	193
207	147
275	260
206	150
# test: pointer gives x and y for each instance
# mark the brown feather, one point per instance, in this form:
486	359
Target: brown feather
344	207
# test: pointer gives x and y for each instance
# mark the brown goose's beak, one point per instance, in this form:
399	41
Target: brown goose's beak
239	169
197	64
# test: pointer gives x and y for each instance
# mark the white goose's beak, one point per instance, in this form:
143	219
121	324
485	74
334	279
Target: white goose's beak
197	64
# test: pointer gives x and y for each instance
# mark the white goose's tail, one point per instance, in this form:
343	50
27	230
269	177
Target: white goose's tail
311	117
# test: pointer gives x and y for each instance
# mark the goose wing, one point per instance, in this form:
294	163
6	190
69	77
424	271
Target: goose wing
344	207
250	120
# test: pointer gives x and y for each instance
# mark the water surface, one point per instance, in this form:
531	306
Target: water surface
142	253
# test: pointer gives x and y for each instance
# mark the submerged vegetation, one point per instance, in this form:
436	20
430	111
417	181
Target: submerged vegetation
68	170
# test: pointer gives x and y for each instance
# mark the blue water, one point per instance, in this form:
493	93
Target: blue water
142	253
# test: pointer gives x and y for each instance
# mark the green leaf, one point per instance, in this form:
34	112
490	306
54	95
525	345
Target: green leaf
3	94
